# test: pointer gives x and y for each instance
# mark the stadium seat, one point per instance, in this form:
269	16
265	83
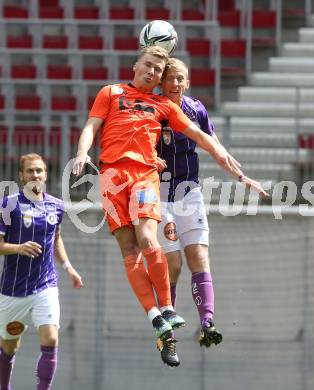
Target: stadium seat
202	77
51	12
233	48
14	11
23	71
21	42
126	74
3	135
55	42
264	19
95	73
1	102
27	102
63	103
157	14
59	72
55	135
28	135
229	18
226	5
86	12
121	13
90	102
192	14
126	43
198	46
306	141
90	43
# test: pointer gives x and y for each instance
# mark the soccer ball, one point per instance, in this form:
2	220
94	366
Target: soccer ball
161	33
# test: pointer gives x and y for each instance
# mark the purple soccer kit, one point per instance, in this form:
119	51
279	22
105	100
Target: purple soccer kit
23	220
182	162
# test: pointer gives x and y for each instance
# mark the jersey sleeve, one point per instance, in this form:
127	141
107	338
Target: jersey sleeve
4	216
203	119
178	121
101	103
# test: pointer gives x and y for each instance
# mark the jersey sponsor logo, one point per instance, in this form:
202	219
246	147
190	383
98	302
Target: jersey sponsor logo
52	219
146	196
50	207
15	328
25	207
170	231
136	105
27	219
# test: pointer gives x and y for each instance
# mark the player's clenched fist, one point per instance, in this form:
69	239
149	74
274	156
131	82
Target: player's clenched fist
29	248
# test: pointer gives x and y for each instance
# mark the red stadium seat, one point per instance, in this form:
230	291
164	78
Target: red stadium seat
229	18
233	48
202	77
90	102
95	73
3	135
192	14
63	103
27	102
48	3
14	11
55	135
28	135
126	74
157	14
1	102
55	42
90	43
51	13
226	5
21	42
23	71
264	19
306	141
59	72
86	13
198	46
126	43
121	13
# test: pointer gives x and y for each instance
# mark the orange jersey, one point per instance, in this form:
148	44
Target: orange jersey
131	127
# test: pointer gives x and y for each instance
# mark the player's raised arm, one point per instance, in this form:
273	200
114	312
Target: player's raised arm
89	131
222	157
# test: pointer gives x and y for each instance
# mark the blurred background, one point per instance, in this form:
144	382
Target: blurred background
252	65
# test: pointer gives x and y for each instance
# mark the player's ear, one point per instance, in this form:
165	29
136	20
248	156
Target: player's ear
134	66
187	84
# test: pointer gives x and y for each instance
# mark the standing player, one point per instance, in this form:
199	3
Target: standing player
190	232
30	239
129	117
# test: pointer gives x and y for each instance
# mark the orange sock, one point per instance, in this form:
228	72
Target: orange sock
140	281
157	268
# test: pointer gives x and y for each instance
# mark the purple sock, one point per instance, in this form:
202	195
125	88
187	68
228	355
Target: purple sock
46	367
6	366
203	294
173	290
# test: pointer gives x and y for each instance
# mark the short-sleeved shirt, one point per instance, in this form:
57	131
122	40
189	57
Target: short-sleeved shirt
179	151
23	220
131	127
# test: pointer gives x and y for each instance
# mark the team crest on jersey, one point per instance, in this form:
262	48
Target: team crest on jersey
27	220
52	219
166	136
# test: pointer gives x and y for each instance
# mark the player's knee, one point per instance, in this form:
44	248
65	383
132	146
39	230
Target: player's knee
174	272
10	347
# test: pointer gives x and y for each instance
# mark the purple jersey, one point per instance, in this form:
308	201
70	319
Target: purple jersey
24	220
179	151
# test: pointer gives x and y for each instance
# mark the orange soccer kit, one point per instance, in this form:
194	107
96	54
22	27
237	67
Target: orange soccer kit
129	178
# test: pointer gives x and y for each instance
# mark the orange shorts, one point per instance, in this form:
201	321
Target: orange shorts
130	190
